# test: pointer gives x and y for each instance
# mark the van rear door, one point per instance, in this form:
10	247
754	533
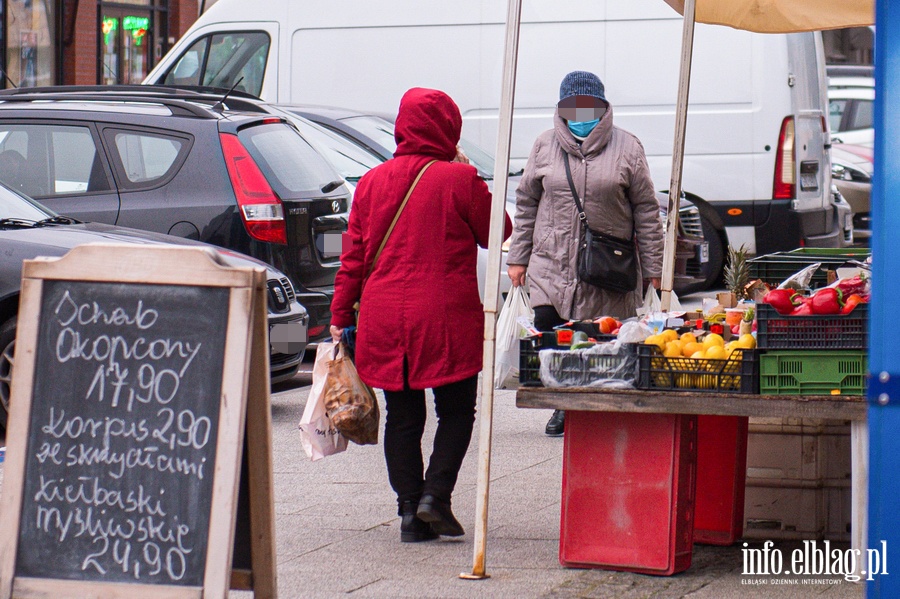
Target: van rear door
812	168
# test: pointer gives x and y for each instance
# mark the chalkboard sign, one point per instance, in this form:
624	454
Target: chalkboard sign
127	424
122	436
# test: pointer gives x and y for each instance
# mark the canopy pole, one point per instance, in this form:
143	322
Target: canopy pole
492	285
681	108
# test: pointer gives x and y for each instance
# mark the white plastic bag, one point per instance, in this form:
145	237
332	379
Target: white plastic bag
653	304
509	331
318	436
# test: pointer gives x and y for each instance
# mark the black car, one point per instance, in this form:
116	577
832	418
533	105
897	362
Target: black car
186	164
27	230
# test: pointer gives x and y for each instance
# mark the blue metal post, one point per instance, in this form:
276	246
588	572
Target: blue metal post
884	350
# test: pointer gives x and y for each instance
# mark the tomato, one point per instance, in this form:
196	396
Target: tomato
607	324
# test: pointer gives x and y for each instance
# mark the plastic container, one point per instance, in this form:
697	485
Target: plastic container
721	473
737	374
577	369
775	268
813	373
838	331
628	491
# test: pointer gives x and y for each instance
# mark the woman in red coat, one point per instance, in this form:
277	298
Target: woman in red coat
421	321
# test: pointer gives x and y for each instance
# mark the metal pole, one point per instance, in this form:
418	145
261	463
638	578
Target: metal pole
884	361
681	107
492	285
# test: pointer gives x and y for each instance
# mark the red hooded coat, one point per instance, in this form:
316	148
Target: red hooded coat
421	303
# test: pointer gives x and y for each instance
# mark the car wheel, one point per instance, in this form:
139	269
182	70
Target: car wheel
713	268
7	344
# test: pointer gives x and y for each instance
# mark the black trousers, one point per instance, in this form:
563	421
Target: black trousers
404	426
546	317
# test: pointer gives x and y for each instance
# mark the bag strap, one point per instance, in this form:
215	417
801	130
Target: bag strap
581	215
397	216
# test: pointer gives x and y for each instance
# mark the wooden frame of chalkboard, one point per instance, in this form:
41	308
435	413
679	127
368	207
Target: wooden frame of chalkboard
140	371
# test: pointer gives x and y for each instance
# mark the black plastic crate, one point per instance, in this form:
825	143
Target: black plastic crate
836	331
576	369
737	374
775	268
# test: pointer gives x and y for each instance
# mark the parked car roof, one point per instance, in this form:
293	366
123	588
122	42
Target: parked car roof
199	164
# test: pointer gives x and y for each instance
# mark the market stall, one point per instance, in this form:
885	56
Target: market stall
664	465
612	400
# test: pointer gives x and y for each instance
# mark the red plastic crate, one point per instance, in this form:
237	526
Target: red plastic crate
628	491
721	479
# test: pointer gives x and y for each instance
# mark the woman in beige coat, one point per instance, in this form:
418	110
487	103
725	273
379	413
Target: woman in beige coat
612	179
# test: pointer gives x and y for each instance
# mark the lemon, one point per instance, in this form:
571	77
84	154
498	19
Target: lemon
657	341
698	355
713	339
669	334
716	352
747	341
688	338
673	349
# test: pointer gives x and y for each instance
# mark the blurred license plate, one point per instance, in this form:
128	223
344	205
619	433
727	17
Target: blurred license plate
703	252
330	244
288	337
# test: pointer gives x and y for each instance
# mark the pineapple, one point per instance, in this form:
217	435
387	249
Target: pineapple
737	272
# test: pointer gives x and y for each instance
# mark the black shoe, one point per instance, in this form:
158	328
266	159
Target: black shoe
556	424
438	513
412	529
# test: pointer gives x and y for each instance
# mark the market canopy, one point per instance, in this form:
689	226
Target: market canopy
782	16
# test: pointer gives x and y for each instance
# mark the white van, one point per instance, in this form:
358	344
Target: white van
757	162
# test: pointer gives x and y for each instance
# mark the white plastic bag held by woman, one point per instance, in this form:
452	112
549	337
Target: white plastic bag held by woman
509	331
318	435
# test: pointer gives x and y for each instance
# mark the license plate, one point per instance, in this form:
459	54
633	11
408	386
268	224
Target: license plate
288	337
330	245
703	252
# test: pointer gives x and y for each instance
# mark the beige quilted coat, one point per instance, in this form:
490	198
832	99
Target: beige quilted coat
611	176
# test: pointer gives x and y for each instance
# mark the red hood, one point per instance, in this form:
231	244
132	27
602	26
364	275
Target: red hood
429	123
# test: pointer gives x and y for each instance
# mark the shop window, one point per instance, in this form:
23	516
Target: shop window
30	37
225	60
125	46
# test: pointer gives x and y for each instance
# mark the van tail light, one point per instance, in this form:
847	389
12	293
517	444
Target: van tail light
784	187
261	210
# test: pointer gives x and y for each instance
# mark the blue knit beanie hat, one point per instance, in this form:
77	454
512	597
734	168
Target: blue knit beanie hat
581	83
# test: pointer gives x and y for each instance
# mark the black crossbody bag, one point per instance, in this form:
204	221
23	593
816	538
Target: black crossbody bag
604	261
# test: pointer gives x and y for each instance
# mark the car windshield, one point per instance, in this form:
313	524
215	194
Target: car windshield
15	206
351	160
378	129
290	164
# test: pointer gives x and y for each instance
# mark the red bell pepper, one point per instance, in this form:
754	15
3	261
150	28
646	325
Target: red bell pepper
858	284
827	301
804	309
851	302
783	300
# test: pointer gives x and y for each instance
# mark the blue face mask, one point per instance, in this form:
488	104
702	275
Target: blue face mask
582	128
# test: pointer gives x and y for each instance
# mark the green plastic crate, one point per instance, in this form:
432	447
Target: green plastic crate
813	373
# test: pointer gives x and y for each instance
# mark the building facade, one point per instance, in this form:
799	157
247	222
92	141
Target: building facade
86	42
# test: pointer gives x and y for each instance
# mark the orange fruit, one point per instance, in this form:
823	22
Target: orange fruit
690	348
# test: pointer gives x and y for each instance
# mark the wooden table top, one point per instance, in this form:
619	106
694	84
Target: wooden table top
838	407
